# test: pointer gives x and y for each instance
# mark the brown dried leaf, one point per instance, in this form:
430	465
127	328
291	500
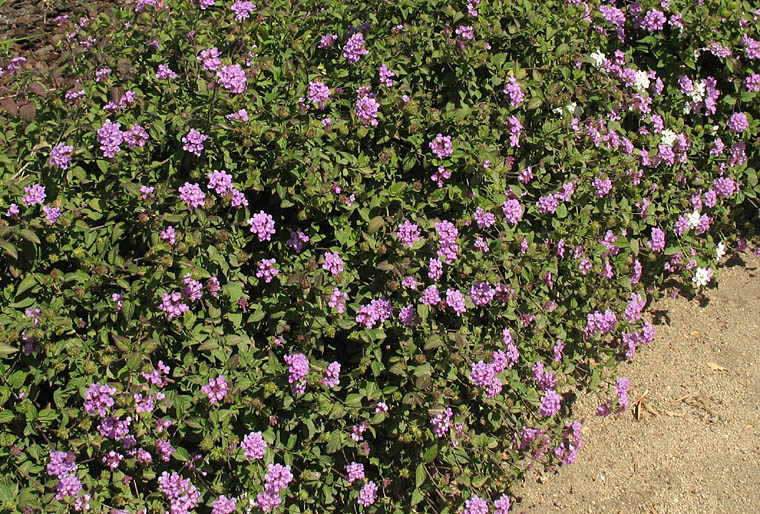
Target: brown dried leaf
27	111
9	105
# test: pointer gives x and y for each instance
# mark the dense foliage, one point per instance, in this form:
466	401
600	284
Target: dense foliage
325	256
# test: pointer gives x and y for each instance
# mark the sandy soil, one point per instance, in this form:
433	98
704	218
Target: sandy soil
695	447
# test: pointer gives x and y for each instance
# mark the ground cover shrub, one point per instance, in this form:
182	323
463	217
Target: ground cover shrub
350	256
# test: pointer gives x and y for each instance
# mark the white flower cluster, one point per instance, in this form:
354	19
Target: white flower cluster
572	108
642	81
693	219
598	58
720	251
702	277
697	95
668	137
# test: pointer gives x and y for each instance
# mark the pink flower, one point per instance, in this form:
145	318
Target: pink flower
738	122
192	195
216	389
333	263
254	446
262	224
355	471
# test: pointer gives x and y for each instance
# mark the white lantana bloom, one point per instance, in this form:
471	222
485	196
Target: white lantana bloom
698	92
668	137
720	251
693	219
702	277
598	58
642	81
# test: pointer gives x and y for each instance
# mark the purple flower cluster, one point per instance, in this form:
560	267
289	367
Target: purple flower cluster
328	40
337	300
319	94
164	72
298	369
657	241
242	9
136	136
408	233
435	269
366	108
367	494
456	300
277	478
484	375
254	446
194	142
262	224
216	389
514	92
35	194
171	304
654	20
738	122
725	187
545	379
332	375
110	138
515	129
447	240
266	269
210	59
475	505
386	75
598	323
183	496
333	263
60	156
752	83
232	78
164	449
550	403
51	214
441	146
192	195
98	399
63	466
513	211
484	219
169	235
634	307
224	505
621	388
379	310
442	423
354	48
355	471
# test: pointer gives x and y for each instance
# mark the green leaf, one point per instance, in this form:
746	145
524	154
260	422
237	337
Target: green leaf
354	400
431	453
9	249
181	454
6	349
334	443
29	235
419	476
479	481
417	497
27	283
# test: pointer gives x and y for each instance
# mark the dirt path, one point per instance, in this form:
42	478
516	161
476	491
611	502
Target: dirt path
696	445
